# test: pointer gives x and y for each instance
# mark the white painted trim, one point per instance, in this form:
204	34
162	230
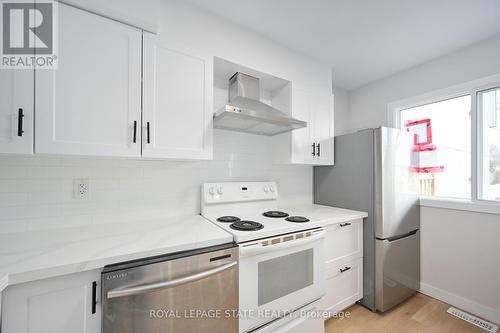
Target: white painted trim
465	88
487	207
112	15
462	303
471	88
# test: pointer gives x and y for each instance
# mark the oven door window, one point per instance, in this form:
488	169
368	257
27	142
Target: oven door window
285	275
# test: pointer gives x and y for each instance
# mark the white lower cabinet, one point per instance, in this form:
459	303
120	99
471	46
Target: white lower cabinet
344	241
344	285
344	265
56	305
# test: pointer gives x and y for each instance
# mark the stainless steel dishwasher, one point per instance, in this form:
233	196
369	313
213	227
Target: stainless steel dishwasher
193	291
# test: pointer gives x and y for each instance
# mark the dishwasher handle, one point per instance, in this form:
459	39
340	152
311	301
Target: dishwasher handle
145	288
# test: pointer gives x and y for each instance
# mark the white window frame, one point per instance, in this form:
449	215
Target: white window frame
471	88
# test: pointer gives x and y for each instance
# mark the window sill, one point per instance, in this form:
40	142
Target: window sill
486	207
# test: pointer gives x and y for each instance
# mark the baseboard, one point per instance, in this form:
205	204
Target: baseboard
462	303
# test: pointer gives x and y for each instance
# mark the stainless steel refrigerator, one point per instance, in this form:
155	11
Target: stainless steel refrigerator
372	174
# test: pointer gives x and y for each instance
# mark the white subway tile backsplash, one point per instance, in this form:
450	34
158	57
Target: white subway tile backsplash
36	192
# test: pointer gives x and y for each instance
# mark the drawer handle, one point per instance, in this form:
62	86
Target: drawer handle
20	116
345	224
148	133
313	149
134	139
345	269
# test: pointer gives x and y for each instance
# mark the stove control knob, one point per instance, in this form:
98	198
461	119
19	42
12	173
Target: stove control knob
266	189
211	191
271	188
219	190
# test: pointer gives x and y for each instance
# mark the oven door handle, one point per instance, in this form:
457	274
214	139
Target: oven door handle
146	288
256	249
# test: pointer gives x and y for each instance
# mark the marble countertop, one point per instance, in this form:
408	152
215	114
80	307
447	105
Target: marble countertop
325	215
37	255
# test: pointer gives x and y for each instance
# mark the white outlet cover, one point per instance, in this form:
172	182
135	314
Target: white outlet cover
81	188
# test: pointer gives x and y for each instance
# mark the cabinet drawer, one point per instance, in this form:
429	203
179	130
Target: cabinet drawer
344	285
344	241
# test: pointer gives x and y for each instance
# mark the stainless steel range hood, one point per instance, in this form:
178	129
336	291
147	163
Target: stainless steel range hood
246	113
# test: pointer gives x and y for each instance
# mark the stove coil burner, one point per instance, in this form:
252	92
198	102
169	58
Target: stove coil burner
275	213
246	226
228	219
297	219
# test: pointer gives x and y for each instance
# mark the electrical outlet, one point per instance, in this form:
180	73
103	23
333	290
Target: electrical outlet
81	189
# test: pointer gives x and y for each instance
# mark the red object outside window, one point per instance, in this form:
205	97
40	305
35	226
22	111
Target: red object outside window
424	153
419	127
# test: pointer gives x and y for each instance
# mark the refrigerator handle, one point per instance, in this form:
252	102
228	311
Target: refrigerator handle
398	237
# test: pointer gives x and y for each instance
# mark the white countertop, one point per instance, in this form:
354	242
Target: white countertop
325	215
318	215
36	255
43	254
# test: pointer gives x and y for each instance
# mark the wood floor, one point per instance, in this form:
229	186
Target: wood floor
418	314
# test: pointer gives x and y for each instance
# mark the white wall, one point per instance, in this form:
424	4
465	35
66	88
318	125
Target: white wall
461	259
460	250
341	108
368	104
184	23
36	192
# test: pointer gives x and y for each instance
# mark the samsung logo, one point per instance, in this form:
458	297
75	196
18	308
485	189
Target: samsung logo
116	276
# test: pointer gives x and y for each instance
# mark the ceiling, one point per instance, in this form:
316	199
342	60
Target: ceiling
365	40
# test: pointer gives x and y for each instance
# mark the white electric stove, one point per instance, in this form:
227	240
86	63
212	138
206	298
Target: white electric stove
250	210
281	264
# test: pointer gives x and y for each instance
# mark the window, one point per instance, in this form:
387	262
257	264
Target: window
488	149
456	144
441	154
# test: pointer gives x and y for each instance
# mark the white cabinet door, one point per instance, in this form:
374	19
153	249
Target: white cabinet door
56	305
178	107
322	128
302	149
313	144
344	286
91	103
343	265
16	111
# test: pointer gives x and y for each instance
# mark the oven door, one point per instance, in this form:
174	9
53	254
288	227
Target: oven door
279	275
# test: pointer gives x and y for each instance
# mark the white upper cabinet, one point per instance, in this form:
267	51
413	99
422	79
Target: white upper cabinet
313	144
302	137
16	111
91	104
178	101
322	129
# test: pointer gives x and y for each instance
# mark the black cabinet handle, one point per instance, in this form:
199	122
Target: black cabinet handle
135	131
20	116
345	269
94	296
344	224
147	133
314	149
319	151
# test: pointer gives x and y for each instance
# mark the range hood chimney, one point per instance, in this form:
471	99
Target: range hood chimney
246	113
